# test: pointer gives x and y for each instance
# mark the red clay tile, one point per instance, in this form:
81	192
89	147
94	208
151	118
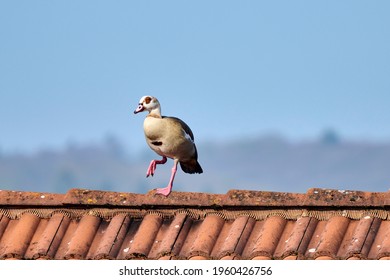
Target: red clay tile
314	241
369	242
325	258
261	258
97	240
314	197
358	237
307	237
98	198
345	198
190	236
166	241
42	224
230	257
129	239
252	240
354	258
145	237
162	233
268	237
29	198
3	224
245	236
256	198
166	258
331	237
182	237
291	257
112	237
66	239
221	238
237	236
284	240
382	242
82	237
207	236
198	258
18	237
298	237
50	239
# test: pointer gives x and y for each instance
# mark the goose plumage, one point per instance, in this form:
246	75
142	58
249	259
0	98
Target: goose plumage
169	137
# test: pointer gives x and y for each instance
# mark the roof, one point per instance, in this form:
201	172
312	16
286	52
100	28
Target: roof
87	224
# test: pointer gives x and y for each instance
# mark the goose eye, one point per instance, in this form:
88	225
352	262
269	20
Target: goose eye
147	100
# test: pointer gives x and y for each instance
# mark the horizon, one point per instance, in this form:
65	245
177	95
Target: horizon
267	162
327	136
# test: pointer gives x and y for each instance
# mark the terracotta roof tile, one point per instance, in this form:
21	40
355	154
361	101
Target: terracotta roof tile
168	237
331	237
232	243
299	234
82	237
145	237
110	237
17	237
268	236
50	239
86	224
380	247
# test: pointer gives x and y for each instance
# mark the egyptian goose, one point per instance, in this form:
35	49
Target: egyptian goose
169	137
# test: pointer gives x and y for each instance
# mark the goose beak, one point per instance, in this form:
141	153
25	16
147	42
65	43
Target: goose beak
140	108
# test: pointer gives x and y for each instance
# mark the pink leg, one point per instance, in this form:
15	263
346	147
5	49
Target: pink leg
153	164
167	190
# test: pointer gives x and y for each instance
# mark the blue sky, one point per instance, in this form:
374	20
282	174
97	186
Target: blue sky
75	71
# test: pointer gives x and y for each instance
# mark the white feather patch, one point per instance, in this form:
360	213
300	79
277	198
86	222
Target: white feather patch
188	137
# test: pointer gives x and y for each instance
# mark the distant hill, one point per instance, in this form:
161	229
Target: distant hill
261	163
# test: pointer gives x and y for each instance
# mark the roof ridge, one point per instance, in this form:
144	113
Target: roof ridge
314	197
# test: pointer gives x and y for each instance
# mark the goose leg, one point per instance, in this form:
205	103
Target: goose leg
167	190
153	165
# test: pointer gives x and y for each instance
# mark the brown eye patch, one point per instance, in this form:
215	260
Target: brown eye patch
147	100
